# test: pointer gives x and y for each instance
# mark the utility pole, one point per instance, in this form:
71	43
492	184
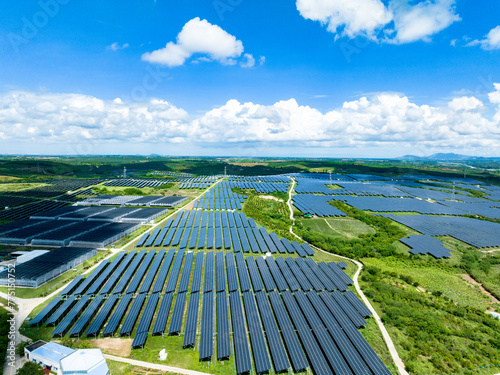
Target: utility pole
124	172
453	194
225	171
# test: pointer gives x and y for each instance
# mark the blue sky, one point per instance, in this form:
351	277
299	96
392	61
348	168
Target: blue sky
284	78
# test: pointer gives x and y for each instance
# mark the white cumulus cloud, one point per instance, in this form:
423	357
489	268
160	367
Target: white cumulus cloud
421	21
490	42
198	37
117	46
383	120
398	23
353	17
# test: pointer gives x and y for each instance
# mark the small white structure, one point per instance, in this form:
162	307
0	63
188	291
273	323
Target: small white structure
84	361
66	361
47	354
163	355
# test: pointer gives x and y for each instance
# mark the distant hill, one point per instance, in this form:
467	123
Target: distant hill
442	157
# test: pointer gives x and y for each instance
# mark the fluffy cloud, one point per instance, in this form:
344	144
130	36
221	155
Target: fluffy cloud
355	17
198	36
422	20
381	121
490	42
400	22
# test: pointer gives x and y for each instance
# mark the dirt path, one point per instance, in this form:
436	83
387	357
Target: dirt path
473	282
271	198
154	366
388	341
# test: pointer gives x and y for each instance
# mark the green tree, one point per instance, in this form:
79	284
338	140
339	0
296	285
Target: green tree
30	368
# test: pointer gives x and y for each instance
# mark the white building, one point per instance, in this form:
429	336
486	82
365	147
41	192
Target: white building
66	361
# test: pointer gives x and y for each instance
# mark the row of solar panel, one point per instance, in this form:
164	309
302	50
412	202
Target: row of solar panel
261	187
195	230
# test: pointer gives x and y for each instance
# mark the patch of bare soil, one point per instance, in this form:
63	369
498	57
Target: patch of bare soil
250	164
119	347
271	198
189	206
471	281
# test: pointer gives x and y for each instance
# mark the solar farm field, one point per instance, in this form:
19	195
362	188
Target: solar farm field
217	303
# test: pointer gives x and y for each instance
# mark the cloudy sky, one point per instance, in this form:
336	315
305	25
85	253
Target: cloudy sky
354	78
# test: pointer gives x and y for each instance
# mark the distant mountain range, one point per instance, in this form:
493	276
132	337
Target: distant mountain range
443	157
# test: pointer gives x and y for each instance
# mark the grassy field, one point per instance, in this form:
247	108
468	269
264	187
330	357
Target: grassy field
120	368
338	226
432	334
19	187
8	178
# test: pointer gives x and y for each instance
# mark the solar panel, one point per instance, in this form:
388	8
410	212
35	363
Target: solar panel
71	286
320	275
218	238
340	273
201	238
299	275
235	240
197	273
350	311
87	315
117	316
102	316
232	275
96	285
210	237
245	245
61	311
162	275
66	323
240	340
275	345
363	348
288	246
206	336
259	349
47	310
309	342
252	241
277	243
330	350
287	274
147	315
299	249
266	275
357	304
223	344
90	278
334	278
260	240
174	274
295	352
177	314
152	238
122	283
276	274
139	275
254	274
113	279
226	237
220	272
191	321
132	315
208	284
186	273
162	315
243	273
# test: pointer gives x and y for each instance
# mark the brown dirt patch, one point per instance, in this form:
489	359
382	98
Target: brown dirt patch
473	282
250	164
271	198
119	347
189	206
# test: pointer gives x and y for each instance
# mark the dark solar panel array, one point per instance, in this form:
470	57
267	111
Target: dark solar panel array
425	244
478	233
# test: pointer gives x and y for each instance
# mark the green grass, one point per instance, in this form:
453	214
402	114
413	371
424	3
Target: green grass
179	357
120	368
433	278
19	187
58	282
432	334
342	226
